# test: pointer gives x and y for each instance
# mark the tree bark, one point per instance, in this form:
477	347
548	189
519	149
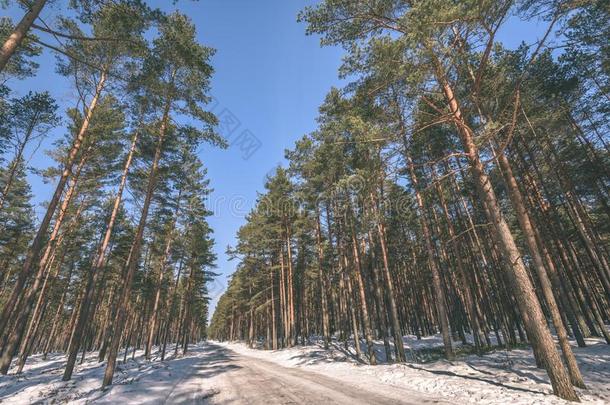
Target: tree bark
366	320
39	239
290	286
545	283
14	40
529	306
23	306
441	303
322	277
398	343
99	264
162	270
134	253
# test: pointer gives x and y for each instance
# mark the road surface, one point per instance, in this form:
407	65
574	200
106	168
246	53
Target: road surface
225	377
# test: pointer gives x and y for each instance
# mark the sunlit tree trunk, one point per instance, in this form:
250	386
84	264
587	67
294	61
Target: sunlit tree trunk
39	239
134	253
525	296
98	265
19	33
545	283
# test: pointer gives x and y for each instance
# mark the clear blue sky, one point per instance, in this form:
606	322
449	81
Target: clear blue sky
269	75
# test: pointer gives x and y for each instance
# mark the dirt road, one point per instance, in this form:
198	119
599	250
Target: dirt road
225	377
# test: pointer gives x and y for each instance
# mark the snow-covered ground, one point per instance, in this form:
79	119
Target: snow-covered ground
498	377
136	382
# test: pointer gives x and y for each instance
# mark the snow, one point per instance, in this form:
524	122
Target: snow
136	382
498	377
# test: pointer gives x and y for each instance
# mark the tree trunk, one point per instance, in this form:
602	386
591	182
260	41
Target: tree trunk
24	306
441	303
545	283
39	239
290	286
527	301
352	310
57	317
14	40
366	320
398	343
99	264
164	263
273	315
322	277
283	300
134	253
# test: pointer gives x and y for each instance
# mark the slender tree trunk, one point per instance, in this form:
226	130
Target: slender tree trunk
171	307
273	315
368	332
283	300
134	253
290	287
545	283
39	239
323	288
40	305
14	40
57	317
527	301
251	322
187	312
15	163
441	303
25	305
398	343
99	264
352	309
164	264
382	309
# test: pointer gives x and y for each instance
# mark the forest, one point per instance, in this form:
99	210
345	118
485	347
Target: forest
453	186
122	252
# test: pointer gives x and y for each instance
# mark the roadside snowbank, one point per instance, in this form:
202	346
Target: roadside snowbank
498	377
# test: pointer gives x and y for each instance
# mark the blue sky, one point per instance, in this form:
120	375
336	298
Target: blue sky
269	76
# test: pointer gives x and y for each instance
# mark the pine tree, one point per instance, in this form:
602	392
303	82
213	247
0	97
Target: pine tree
176	75
424	42
30	118
16	222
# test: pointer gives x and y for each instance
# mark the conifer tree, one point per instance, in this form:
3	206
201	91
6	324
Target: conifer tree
176	77
29	118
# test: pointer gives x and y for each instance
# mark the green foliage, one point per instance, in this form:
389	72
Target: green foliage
21	64
16	219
